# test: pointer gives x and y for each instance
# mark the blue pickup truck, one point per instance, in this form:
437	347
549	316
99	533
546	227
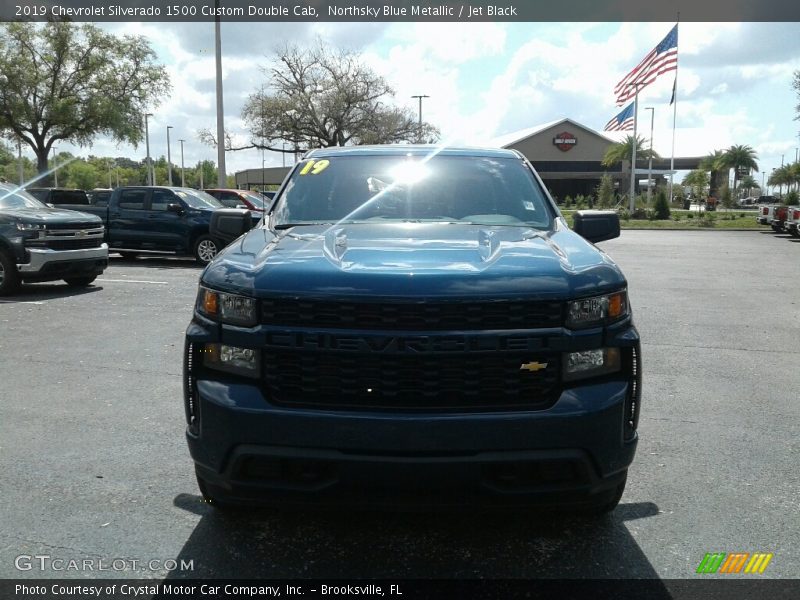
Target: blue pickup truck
413	326
157	220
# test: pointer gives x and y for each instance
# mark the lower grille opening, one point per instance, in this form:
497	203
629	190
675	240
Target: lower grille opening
529	475
297	472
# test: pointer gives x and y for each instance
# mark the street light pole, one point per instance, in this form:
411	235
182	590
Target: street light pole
183	178
763	173
21	168
55	166
650	165
419	130
147	147
221	179
169	158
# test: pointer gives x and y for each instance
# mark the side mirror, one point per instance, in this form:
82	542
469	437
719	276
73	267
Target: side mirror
175	208
597	225
50	205
227	224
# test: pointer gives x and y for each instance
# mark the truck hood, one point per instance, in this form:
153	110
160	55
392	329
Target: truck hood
414	260
51	215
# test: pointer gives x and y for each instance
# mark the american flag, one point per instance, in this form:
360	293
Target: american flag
661	59
622	121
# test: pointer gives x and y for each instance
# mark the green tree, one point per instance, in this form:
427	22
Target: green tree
748	184
661	205
726	198
712	164
605	191
740	158
82	175
320	97
62	81
624	151
698	180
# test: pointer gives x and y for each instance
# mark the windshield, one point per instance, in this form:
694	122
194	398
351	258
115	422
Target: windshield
198	199
12	197
466	189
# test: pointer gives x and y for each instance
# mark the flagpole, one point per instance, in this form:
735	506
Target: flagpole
674	116
631	205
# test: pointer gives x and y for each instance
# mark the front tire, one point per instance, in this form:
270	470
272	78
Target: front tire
80	281
210	499
9	278
205	249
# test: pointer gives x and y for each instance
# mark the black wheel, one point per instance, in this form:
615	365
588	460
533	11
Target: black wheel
604	503
80	281
205	249
775	228
128	255
795	232
9	278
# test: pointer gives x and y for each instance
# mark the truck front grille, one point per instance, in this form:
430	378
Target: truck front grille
491	381
412	316
65	244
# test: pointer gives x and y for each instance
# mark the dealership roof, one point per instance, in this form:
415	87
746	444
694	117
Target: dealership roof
509	139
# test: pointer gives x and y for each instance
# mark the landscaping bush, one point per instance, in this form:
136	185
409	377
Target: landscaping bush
690	216
661	206
605	191
792	198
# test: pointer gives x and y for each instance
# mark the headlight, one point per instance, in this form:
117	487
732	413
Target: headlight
29	226
227	308
232	359
590	363
598	310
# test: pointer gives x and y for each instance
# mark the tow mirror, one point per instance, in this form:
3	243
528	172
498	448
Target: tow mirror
175	208
227	224
596	225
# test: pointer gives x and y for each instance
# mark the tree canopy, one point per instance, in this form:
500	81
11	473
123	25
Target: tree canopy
62	81
740	158
320	97
624	151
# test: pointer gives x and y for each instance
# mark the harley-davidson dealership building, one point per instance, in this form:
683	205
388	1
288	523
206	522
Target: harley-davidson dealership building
567	155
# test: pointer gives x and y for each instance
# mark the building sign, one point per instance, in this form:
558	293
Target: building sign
565	141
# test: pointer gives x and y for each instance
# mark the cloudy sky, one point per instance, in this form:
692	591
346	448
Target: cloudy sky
488	79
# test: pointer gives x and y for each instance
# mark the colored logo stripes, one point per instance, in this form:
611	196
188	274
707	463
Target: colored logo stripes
734	562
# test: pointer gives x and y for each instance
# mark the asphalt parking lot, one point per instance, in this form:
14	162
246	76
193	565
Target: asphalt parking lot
94	464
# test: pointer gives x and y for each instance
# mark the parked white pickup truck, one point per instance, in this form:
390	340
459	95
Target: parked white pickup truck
765	214
792	224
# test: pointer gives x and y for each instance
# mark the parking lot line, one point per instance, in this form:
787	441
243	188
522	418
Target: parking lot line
132	281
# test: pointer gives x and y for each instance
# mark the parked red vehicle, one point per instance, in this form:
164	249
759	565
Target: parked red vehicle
779	218
239	199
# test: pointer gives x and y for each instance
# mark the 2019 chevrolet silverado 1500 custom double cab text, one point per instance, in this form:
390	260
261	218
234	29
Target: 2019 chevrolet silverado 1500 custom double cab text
413	325
38	243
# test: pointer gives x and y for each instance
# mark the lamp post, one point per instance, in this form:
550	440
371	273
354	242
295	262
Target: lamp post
147	147
763	173
55	166
183	178
169	158
650	165
419	131
21	168
221	179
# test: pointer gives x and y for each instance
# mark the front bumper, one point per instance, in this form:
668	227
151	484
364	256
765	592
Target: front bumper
49	265
249	451
763	221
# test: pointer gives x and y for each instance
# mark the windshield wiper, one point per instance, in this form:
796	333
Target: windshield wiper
290	225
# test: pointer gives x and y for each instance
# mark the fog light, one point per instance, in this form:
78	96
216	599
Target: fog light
232	359
591	363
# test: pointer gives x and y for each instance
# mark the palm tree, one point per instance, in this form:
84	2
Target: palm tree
624	151
781	176
740	158
748	182
698	181
711	163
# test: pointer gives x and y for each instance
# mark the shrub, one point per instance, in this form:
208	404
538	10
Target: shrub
690	216
661	206
625	215
568	201
605	191
793	198
707	220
